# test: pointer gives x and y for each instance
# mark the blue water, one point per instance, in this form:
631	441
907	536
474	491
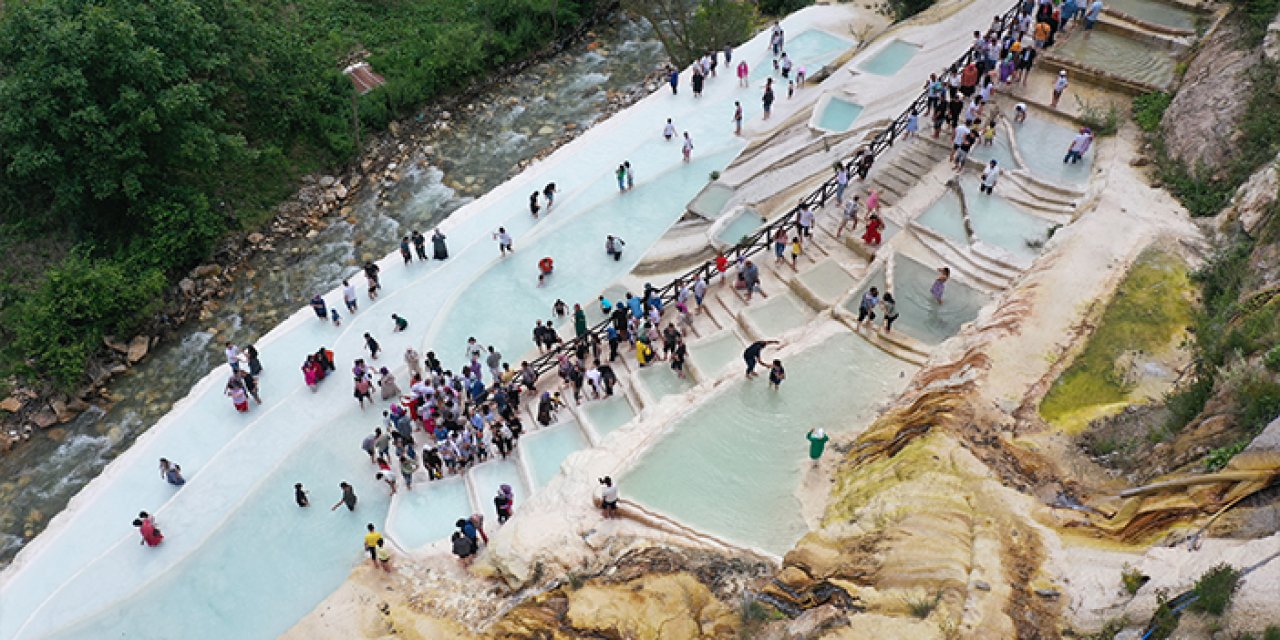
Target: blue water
891	59
811	49
918	315
838	114
546	449
746	223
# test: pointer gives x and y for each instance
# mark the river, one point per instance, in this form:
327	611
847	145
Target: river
483	146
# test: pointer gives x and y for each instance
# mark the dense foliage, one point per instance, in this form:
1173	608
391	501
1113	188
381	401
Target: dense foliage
143	131
688	29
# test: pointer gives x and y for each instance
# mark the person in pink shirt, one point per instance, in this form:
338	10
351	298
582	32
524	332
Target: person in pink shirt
742	73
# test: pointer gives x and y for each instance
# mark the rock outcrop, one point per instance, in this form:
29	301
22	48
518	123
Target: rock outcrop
1201	125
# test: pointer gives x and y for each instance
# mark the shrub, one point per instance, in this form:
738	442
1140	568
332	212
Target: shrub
903	9
922	606
1215	588
61	324
782	7
1164	621
1103	120
1132	579
1148	109
1218	458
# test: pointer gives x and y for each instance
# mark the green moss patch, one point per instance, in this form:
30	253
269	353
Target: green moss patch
1151	308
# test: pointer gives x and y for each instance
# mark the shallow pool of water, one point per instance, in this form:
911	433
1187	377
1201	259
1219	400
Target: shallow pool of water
1163	13
944	217
713	355
545	450
779	313
486	477
998	222
838	114
1043	141
919	316
607	415
709	203
422	516
733	466
827	280
660	381
812	49
891	59
742	225
1124	57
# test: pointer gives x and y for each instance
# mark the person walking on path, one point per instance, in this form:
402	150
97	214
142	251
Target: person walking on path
419	245
613	247
621	175
579	320
631	175
940	284
372	345
405	251
850	216
414	360
439	250
842	182
371	272
317	305
817	443
609	498
776	375
300	495
696	81
767	98
549	192
534	207
348	498
752	355
686	150
504	241
751	280
669	130
400	324
673	79
742	73
349	296
1059	86
737	118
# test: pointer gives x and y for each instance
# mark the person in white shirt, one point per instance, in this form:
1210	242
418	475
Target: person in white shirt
669	131
349	296
961	132
504	241
989	176
1059	86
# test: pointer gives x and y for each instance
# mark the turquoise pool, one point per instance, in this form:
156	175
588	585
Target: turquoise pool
890	59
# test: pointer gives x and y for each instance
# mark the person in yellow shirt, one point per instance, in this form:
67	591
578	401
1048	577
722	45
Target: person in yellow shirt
643	352
371	541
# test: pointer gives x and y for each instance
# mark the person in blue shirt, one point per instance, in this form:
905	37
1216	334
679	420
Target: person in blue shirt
606	307
674	80
637	308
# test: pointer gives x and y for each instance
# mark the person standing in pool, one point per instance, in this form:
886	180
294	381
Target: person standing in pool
767	98
940	284
621	175
752	355
300	495
697	80
776	375
503	503
1060	85
890	307
687	149
817	443
737	118
673	79
669	130
439	250
631	175
742	73
989	177
348	498
867	307
534	207
613	247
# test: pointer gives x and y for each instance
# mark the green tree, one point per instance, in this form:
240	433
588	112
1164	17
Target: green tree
688	29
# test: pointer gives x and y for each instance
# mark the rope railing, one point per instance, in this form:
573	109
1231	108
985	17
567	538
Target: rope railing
759	240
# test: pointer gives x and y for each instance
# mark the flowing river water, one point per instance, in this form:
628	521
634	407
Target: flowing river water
483	146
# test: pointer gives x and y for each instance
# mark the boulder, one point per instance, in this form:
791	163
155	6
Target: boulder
61	411
187	286
44	419
12	404
115	345
206	270
327	181
255	238
138	349
340	191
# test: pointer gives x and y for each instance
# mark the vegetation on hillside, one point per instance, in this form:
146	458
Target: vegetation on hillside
690	29
141	132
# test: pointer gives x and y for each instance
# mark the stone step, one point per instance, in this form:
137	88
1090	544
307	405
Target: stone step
960	262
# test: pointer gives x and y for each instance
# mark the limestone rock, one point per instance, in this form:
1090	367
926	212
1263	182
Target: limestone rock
206	270
60	411
44	419
1210	102
327	181
666	606
12	404
255	238
138	349
1252	201
187	286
